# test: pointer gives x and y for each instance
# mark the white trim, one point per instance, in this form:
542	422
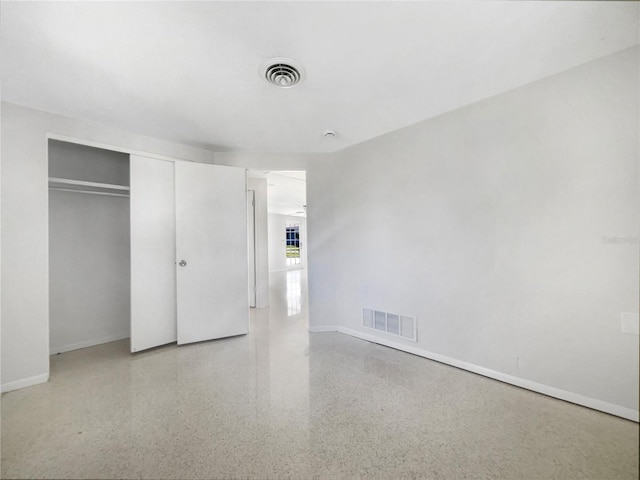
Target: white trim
24	382
87	343
114	148
600	405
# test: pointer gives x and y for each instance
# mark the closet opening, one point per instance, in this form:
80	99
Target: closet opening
89	246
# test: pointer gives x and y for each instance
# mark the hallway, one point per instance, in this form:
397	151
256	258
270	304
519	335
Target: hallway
283	403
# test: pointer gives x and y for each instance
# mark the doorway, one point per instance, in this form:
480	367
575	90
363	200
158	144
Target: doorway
287	211
276	201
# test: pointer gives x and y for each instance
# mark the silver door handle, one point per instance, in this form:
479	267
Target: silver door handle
183	263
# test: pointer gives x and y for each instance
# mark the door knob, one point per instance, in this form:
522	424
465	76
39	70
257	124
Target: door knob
183	263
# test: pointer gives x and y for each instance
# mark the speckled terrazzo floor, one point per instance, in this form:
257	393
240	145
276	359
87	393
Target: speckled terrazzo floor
281	402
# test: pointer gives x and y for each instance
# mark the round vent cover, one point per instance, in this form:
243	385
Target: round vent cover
282	72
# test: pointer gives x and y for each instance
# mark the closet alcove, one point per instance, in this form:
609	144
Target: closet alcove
139	247
89	254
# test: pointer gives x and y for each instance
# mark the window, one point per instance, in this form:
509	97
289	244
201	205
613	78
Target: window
293	244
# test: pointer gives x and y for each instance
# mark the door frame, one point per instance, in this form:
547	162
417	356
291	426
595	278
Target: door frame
251	247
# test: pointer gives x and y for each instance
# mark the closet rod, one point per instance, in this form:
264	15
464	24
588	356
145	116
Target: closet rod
68	181
91	192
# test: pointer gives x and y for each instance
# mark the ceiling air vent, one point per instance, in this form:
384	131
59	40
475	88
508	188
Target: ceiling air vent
282	72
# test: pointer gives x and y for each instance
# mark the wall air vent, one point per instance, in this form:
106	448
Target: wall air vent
282	72
392	323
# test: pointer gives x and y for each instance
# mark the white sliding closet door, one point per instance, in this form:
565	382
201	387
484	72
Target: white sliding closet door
211	246
153	250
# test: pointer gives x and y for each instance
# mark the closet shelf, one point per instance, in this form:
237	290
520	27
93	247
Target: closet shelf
82	183
92	192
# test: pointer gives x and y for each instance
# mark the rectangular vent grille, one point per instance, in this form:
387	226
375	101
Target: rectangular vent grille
394	324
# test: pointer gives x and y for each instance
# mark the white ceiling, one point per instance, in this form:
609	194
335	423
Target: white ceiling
188	71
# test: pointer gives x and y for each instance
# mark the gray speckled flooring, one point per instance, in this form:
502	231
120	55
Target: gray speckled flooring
281	402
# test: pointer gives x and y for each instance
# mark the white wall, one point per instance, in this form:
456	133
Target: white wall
259	185
24	242
278	241
487	224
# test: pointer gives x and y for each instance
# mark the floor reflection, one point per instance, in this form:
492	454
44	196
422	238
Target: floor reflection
288	293
294	292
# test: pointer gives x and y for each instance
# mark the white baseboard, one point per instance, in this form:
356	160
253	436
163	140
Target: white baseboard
576	398
24	382
86	343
